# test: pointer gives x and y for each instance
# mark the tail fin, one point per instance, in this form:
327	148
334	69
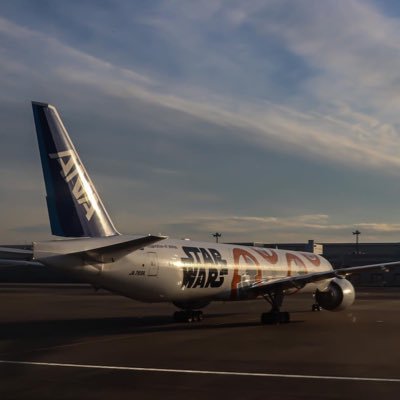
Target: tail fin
75	208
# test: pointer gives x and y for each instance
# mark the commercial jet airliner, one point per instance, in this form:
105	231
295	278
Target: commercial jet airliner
154	268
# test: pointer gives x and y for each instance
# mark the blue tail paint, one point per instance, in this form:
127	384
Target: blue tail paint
75	208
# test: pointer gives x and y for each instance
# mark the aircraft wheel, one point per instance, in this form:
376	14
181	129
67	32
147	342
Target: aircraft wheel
178	317
188	316
285	317
271	318
198	316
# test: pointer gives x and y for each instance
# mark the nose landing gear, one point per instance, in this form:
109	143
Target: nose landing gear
316	307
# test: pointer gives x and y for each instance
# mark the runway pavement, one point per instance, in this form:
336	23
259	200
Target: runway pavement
101	346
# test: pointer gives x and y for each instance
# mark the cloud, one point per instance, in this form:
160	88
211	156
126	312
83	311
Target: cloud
275	229
352	47
317	80
334	131
349	100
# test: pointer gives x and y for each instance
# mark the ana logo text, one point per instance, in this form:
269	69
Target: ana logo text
73	174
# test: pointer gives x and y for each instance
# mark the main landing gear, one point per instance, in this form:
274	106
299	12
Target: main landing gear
275	316
188	316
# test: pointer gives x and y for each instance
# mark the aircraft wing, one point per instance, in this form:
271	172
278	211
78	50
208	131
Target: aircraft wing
4	263
16	252
18	256
299	281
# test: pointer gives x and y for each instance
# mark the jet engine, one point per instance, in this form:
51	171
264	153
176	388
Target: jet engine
338	295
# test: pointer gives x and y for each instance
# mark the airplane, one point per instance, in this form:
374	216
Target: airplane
154	268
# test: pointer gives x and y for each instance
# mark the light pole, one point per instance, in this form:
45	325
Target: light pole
357	233
217	235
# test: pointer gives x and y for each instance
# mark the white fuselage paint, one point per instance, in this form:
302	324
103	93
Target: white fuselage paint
184	271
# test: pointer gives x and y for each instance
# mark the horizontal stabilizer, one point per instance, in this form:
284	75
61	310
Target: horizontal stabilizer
99	250
113	252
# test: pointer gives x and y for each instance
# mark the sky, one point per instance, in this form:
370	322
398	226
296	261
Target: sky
270	121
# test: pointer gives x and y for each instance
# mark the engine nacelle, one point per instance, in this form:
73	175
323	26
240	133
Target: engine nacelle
339	295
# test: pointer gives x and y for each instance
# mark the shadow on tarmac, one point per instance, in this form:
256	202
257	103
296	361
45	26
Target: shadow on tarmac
111	325
25	336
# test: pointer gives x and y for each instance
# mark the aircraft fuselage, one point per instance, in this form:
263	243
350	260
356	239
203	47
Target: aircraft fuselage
181	271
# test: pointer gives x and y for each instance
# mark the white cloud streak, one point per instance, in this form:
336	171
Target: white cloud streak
273	229
342	134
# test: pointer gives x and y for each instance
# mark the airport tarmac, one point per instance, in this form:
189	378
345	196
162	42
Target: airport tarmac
100	346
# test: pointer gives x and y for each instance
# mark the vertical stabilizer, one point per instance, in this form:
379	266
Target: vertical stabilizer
75	208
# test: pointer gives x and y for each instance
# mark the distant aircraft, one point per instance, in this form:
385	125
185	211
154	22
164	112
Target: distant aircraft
154	268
